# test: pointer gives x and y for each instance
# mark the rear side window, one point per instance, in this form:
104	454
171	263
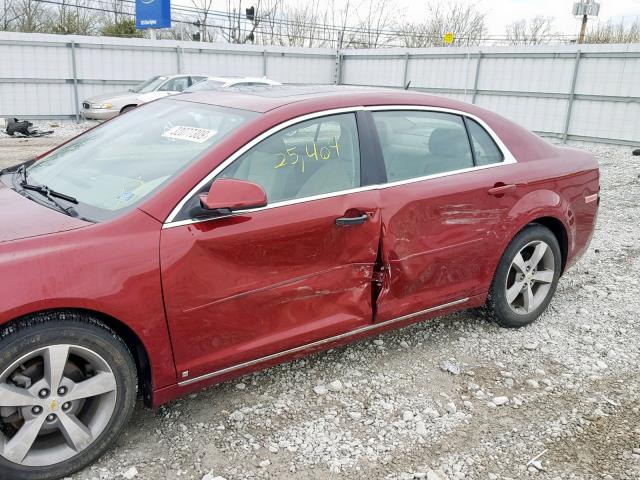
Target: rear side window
310	158
416	144
485	149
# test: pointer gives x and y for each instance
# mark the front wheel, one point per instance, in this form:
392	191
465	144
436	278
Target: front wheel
128	108
526	277
67	388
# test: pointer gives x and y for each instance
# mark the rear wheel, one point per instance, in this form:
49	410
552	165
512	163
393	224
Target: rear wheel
67	388
526	277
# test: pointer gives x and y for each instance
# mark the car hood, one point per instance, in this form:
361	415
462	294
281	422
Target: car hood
112	97
23	218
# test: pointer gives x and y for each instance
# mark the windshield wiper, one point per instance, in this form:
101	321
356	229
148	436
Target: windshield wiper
47	193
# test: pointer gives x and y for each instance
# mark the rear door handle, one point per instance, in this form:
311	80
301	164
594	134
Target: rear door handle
346	221
501	189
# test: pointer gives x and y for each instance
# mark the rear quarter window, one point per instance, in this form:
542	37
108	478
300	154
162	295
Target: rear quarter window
485	148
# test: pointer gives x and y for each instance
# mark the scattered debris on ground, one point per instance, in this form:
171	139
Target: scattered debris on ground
24	128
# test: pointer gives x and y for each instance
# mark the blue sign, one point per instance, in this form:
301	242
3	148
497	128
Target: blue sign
153	14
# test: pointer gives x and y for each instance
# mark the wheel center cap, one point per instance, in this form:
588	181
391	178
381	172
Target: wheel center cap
53	405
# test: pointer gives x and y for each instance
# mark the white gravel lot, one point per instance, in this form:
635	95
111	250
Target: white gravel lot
452	398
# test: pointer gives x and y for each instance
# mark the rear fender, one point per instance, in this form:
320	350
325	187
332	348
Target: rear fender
532	206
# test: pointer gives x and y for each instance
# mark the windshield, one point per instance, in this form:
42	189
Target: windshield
206	85
113	167
149	86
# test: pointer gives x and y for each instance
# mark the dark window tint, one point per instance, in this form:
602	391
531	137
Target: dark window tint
416	144
311	158
484	147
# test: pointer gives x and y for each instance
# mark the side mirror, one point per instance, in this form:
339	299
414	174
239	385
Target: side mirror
229	194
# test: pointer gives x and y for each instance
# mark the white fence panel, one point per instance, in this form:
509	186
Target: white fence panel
590	93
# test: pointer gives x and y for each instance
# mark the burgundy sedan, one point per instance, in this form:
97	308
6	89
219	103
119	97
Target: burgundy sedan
211	234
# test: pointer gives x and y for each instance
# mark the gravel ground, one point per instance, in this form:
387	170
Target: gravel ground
18	149
452	398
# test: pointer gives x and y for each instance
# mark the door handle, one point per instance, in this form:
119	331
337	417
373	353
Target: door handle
346	221
501	189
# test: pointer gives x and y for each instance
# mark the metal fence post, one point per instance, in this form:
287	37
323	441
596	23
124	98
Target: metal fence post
567	119
179	58
406	70
264	63
75	80
475	80
337	77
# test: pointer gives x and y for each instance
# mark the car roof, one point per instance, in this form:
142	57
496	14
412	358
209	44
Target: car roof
264	98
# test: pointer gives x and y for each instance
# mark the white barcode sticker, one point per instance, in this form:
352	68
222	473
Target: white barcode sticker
191	134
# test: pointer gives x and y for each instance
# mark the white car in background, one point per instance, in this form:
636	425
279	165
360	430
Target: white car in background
210	83
103	107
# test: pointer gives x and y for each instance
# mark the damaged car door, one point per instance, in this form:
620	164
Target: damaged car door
256	282
444	209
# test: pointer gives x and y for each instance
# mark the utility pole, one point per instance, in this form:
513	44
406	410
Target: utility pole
585	8
583	29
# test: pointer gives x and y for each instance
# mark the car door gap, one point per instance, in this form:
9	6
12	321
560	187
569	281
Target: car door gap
380	271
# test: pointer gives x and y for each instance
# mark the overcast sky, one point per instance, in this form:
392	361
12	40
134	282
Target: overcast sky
504	12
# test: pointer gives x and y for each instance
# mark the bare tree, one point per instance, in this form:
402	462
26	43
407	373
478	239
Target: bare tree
466	21
340	17
119	10
314	23
241	26
71	17
28	15
373	27
7	17
300	25
610	32
203	8
535	31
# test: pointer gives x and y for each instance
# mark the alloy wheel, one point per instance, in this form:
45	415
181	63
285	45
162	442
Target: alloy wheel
54	402
530	277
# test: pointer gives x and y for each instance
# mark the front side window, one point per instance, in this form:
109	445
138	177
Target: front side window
310	158
178	84
149	85
417	143
115	166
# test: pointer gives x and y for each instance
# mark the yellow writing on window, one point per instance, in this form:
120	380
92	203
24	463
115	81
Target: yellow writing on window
312	151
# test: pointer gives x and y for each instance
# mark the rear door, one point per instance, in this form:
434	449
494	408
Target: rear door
441	219
253	284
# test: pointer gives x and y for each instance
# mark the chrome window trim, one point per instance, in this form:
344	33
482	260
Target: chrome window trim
508	160
318	343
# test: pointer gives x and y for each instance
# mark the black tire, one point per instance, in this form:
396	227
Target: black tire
497	307
81	331
127	109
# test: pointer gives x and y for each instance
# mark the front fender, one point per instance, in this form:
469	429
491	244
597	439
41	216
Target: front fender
111	269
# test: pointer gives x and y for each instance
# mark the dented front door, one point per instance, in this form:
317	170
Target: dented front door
247	286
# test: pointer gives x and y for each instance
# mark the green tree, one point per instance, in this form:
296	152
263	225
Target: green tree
122	28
